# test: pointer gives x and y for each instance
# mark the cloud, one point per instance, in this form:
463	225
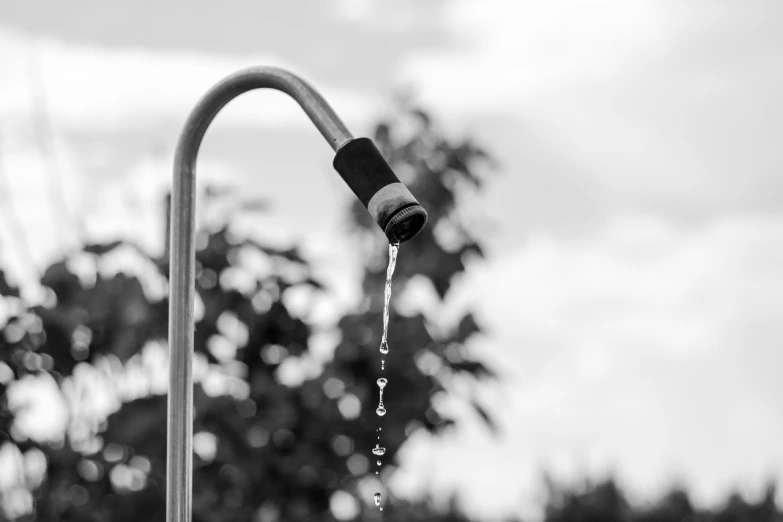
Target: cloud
514	55
512	51
664	107
94	88
410	18
643	281
646	349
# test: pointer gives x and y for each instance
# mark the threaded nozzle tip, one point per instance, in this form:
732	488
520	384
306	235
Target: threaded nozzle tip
406	223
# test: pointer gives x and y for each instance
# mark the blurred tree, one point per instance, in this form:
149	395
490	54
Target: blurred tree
606	502
601	503
274	439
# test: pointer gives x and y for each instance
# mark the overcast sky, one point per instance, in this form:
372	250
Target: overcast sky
635	288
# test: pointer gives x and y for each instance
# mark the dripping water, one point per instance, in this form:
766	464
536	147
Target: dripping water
384	349
393	249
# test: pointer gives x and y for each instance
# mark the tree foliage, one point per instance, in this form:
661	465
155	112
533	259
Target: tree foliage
274	439
606	502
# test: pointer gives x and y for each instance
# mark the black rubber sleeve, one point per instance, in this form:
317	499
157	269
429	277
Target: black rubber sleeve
361	165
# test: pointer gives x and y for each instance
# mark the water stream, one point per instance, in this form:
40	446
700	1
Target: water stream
384	349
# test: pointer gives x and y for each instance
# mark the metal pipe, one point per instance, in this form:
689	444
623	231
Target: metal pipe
357	161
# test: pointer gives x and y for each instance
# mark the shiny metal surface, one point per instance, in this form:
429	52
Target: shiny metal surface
179	469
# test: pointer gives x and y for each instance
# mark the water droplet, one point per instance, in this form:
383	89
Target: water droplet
378	498
381	411
382	383
383	364
380	429
381	508
378	450
384	347
379	462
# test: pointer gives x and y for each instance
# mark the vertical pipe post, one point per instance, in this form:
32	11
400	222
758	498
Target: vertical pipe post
182	274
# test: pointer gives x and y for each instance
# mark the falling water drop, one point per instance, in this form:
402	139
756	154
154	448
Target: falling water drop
383	364
379	462
381	410
378	498
384	349
378	450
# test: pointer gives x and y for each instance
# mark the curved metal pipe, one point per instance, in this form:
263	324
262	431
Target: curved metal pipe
358	162
316	108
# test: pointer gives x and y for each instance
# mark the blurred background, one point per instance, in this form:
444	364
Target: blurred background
589	329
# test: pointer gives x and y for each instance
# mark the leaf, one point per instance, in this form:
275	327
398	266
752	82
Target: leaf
62	281
141	425
485	416
314	283
476	369
472	248
101	249
382	135
467	327
6	289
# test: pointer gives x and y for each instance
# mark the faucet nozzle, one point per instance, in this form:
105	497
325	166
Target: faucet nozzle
390	203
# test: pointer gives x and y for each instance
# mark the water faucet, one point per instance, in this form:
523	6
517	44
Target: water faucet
359	163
